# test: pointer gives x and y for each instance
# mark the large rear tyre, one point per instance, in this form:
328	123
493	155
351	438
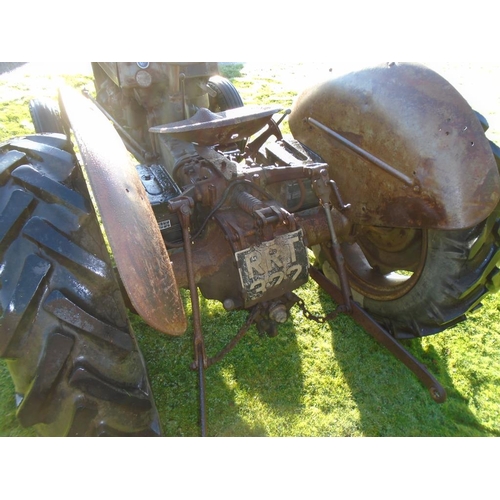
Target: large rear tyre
454	270
420	282
64	330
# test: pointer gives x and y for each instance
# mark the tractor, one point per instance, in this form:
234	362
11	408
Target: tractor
164	180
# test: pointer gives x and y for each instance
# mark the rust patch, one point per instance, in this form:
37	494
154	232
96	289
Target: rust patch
403	211
416	123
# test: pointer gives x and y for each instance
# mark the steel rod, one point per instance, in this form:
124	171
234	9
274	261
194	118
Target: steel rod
200	359
363	153
339	260
203	396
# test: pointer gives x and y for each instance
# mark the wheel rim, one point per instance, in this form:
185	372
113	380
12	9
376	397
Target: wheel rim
383	263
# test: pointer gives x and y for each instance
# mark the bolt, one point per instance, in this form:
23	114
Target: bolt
229	304
278	313
435	394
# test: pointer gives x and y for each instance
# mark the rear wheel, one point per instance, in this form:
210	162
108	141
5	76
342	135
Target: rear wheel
64	330
420	282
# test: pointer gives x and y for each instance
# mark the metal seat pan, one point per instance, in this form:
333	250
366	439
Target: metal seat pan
207	128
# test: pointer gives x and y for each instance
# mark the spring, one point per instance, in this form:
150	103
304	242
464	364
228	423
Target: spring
248	202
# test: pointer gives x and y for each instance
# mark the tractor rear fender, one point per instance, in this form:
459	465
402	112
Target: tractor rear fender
404	147
127	217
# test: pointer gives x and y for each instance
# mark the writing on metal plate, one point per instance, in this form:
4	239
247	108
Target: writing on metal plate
165	224
279	262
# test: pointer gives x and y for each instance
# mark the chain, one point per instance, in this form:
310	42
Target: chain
318	319
252	317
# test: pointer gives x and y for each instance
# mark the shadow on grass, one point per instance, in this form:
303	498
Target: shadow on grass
262	375
246	381
258	388
390	398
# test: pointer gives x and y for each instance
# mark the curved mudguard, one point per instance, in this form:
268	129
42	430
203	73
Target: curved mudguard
438	170
127	217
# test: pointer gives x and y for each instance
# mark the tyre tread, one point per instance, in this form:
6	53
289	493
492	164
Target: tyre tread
68	312
74	360
19	312
49	189
32	409
9	161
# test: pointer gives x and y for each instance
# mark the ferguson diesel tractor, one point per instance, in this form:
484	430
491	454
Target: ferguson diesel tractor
388	179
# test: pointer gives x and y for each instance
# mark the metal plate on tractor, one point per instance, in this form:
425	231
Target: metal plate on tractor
272	268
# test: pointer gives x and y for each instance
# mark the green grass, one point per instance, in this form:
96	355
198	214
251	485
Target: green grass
312	379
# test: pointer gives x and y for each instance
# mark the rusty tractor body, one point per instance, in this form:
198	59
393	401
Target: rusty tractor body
383	162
